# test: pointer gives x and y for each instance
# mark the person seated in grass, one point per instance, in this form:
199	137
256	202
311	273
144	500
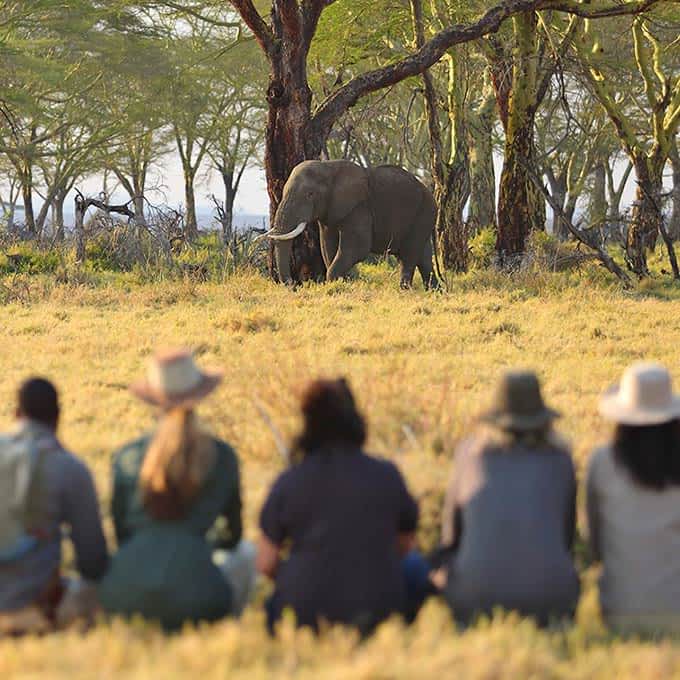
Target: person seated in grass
177	509
344	521
509	513
633	504
43	488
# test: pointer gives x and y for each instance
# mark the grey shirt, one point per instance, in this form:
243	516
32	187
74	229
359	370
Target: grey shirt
635	532
71	502
510	512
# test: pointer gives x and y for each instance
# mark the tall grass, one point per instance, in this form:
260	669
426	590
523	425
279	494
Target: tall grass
422	365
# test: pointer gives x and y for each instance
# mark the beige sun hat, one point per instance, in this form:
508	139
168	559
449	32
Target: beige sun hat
173	380
644	397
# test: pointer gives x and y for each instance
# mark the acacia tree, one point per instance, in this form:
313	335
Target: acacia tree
649	140
296	131
237	140
481	121
449	158
132	95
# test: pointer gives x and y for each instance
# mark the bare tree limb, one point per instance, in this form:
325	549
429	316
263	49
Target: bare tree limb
581	235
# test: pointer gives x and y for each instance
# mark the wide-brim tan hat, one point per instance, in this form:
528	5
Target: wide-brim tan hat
174	380
644	397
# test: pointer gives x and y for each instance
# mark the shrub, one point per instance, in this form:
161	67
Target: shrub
483	248
28	258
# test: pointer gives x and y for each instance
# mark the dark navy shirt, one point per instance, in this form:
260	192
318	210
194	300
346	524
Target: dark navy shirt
341	511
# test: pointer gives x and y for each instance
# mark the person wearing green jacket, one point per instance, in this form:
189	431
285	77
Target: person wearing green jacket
176	509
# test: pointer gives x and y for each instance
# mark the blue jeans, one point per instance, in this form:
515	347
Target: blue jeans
415	570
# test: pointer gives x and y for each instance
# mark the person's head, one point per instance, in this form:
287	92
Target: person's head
518	411
37	400
330	417
646	415
181	453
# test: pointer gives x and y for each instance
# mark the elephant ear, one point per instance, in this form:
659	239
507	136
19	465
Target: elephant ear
348	190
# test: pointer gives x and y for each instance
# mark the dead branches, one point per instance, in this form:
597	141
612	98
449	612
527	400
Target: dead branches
581	235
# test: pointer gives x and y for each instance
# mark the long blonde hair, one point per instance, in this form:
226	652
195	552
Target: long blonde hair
180	456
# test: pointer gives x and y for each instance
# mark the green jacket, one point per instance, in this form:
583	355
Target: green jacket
164	570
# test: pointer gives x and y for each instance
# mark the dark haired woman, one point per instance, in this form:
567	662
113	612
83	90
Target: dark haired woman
347	517
633	499
177	510
509	513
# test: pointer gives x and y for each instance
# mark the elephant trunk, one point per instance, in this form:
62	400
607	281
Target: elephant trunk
282	251
283	237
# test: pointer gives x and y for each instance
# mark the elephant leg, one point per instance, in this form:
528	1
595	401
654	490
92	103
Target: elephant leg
330	239
354	244
425	268
407	271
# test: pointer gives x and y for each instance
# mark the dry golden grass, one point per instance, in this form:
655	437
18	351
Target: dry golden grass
422	366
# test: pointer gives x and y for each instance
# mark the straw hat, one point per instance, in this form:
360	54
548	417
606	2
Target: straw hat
173	379
644	397
518	404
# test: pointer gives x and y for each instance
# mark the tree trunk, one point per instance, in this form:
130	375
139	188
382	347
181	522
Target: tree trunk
228	208
597	203
521	208
482	211
10	212
58	207
27	196
516	209
190	223
451	229
674	223
138	203
569	210
79	228
558	191
646	215
287	144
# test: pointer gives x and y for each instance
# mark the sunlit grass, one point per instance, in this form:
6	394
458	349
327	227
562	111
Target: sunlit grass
422	365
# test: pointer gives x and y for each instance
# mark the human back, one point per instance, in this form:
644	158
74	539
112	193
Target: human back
345	515
342	510
170	490
517	512
633	503
509	514
45	488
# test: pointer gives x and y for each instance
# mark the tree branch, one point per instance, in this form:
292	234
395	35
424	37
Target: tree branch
256	24
345	97
581	235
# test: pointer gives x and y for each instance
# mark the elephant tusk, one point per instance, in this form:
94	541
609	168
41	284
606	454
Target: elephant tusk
290	235
267	234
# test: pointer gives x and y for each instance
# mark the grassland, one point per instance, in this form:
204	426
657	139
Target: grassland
422	366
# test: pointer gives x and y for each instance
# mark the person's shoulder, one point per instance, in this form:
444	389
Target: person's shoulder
71	467
226	451
380	465
128	457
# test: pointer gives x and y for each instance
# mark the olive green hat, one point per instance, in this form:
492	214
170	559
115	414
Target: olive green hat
518	404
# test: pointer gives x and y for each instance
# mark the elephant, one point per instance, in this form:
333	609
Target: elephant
381	210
